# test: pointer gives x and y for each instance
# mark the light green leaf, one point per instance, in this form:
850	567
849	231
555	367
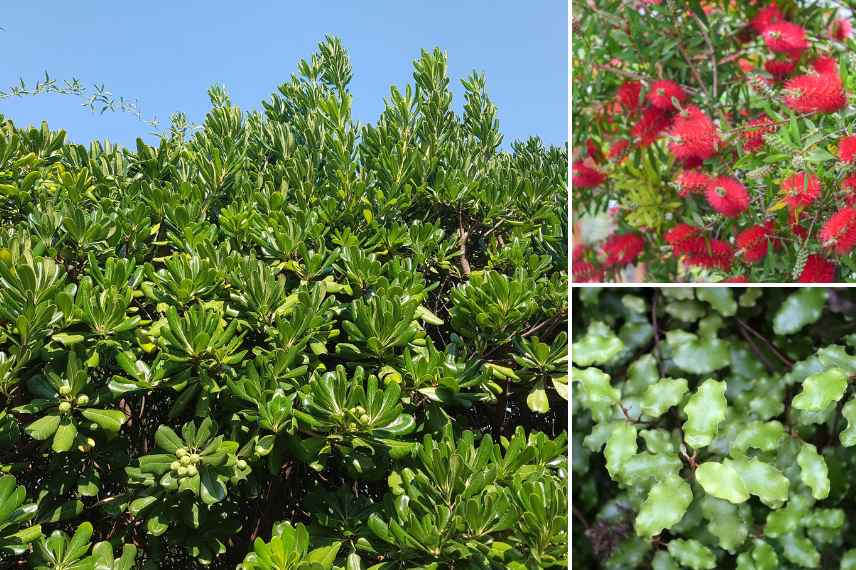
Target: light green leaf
814	472
762	480
720	298
692	554
722	481
110	420
799	309
664	507
597	394
659	397
43	427
848	436
64	437
705	410
820	390
598	346
620	447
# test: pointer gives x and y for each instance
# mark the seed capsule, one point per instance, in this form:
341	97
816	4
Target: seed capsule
82	400
242	464
180	452
191	471
182	471
364	419
186	460
64	407
175	466
64	390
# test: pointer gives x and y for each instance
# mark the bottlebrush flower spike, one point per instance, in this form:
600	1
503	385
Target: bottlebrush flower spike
736	279
585	176
694	134
622	249
716	254
727	196
825	64
652	122
847	148
785	37
628	95
585	272
754	136
618	149
685	239
839	232
840	29
752	243
815	93
692	181
817	269
801	189
766	17
849	187
661	93
779	68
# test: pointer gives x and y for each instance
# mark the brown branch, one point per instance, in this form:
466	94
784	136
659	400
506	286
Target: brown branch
785	360
463	235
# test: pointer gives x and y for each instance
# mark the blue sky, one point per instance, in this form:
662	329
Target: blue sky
167	54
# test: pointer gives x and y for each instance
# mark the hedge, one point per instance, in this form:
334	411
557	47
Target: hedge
281	339
714	428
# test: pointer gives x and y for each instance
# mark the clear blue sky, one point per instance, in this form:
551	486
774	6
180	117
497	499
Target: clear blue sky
167	54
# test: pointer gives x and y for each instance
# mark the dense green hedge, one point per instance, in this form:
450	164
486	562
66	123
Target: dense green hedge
285	340
713	428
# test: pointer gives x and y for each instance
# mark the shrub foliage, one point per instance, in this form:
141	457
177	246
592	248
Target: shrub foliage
714	141
285	340
712	428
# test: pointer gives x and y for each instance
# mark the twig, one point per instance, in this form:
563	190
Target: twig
656	334
463	234
710	53
785	360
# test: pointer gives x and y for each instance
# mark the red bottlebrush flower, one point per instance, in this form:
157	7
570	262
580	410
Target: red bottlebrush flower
628	95
847	148
622	249
695	135
585	272
785	37
661	93
840	29
736	279
779	68
817	270
839	231
752	243
801	189
652	122
825	65
585	176
692	181
685	239
727	196
618	148
849	187
716	254
767	17
745	65
579	252
815	93
755	135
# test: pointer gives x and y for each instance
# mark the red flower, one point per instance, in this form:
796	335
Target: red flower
767	17
695	135
752	242
839	232
736	279
785	37
817	270
847	148
661	93
801	189
825	64
617	149
840	29
727	196
849	187
692	181
815	93
716	254
628	95
684	239
652	122
622	249
755	135
593	152
585	272
585	176
779	68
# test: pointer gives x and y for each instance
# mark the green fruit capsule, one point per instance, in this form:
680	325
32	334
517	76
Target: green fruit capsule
364	419
186	460
175	465
191	471
194	457
82	400
182	471
242	464
64	390
64	407
359	411
180	452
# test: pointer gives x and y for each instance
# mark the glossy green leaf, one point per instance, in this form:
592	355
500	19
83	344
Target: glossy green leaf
813	471
799	309
820	390
705	410
664	507
722	481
